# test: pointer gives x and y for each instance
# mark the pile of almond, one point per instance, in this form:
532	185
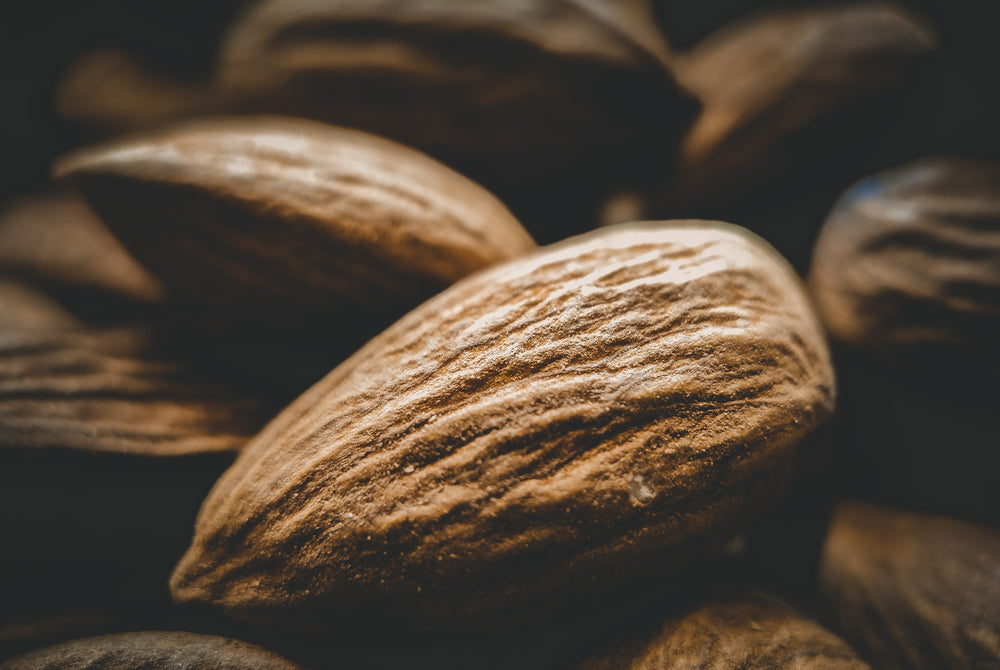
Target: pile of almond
501	334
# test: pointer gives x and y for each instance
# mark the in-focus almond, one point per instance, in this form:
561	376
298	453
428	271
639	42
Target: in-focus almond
559	431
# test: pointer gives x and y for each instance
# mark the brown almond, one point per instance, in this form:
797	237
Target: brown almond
787	92
754	631
559	431
914	591
273	215
152	649
908	263
526	97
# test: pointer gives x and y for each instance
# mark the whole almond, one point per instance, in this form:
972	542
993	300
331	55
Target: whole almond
752	631
559	431
914	591
152	649
525	97
781	92
908	264
276	215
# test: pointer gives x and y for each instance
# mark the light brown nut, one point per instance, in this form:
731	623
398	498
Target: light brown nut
914	591
269	216
909	262
753	631
561	430
152	649
56	237
507	92
772	86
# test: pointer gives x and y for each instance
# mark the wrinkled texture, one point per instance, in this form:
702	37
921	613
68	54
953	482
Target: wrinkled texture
754	632
56	237
151	651
271	215
768	79
505	91
101	391
566	427
910	258
914	591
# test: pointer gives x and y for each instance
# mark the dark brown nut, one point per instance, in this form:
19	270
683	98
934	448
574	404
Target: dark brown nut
56	238
26	308
914	591
785	92
105	454
518	95
153	649
560	431
908	264
754	631
271	216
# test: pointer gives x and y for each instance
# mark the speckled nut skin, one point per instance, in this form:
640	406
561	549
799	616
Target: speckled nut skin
148	650
909	263
734	634
501	90
772	85
564	429
914	591
268	215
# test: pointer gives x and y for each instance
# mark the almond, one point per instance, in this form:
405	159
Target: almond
153	649
914	591
559	431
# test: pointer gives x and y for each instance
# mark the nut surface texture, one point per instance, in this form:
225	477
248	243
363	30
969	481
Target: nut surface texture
570	426
914	591
749	632
152	649
280	214
910	260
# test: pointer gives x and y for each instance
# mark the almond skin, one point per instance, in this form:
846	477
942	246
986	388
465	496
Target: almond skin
912	590
753	631
505	91
773	113
559	431
908	263
287	213
153	649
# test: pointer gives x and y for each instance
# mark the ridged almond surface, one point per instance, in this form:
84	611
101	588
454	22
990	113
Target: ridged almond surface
772	85
102	392
269	216
152	649
736	634
25	308
914	591
910	260
508	92
563	429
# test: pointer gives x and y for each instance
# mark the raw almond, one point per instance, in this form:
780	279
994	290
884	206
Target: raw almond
153	649
914	591
753	631
560	431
